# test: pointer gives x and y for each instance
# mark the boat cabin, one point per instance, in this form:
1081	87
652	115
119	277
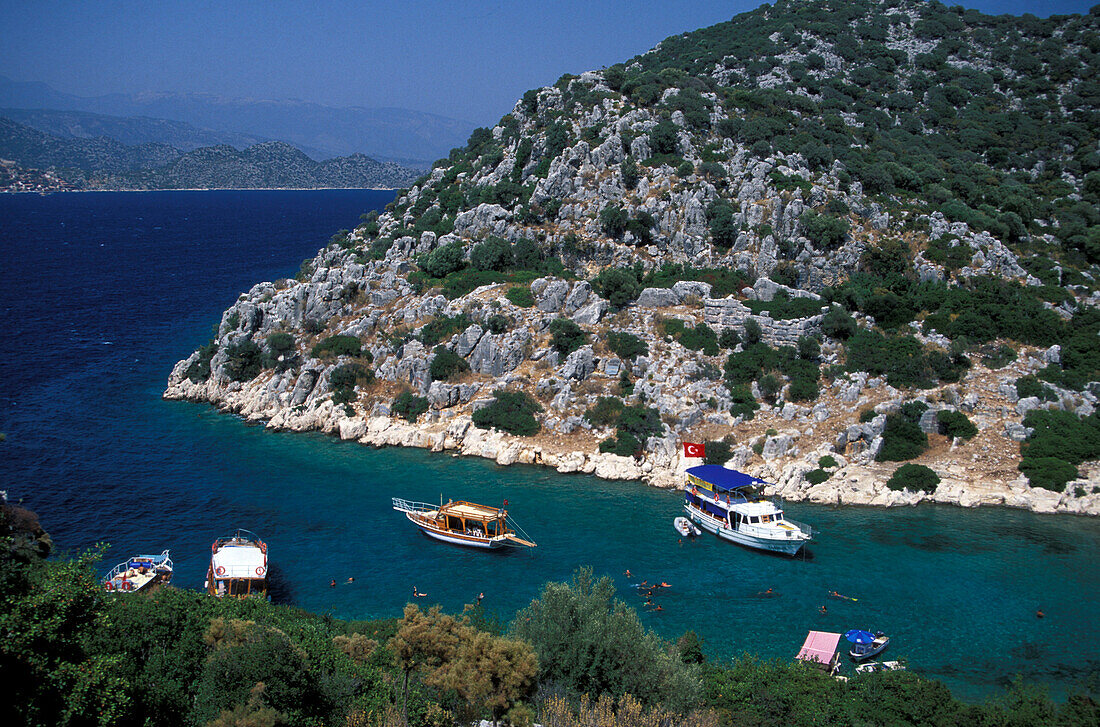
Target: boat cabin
467	518
238	566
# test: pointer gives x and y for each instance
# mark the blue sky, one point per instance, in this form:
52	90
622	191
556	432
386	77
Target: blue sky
466	59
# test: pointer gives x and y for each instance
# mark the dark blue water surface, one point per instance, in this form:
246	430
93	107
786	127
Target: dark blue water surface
104	292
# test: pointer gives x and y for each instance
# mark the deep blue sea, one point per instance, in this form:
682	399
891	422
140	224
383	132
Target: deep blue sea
104	292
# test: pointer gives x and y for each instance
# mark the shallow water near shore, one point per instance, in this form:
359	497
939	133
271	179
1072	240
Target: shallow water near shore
106	291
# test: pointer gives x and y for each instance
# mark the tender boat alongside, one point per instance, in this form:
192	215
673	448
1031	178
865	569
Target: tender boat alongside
238	566
685	527
465	523
140	571
726	502
873	666
865	644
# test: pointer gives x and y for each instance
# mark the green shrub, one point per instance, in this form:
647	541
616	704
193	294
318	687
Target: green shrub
613	219
618	285
605	411
827	461
280	342
1028	386
753	332
444	260
442	327
808	348
955	424
626	345
623	444
824	231
742	402
729	339
244	360
717	452
344	378
520	295
510	411
1061	440
1049	473
902	439
803	389
900	358
838	324
915	477
566	336
816	477
409	406
199	370
339	345
492	254
446	364
997	357
498	323
769	386
867	415
698	338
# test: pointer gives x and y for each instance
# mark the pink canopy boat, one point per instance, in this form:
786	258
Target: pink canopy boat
820	649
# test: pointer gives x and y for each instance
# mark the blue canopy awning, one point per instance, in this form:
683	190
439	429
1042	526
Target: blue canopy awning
723	479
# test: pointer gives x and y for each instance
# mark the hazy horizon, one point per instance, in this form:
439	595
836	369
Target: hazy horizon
467	61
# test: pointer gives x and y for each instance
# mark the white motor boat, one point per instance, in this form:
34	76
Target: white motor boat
727	503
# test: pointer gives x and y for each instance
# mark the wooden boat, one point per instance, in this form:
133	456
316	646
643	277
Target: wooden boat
138	572
865	644
685	527
238	566
464	523
725	502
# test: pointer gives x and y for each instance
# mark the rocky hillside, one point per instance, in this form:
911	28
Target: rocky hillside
103	163
825	238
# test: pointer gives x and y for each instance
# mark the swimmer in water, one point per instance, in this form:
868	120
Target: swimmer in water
823	609
332	583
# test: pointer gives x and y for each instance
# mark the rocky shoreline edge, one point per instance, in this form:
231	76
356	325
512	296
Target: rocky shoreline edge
849	484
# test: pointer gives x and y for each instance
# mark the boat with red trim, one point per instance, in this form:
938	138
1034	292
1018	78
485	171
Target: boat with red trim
138	572
465	523
238	566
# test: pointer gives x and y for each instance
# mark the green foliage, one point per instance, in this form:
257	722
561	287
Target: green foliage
901	359
244	360
446	364
605	412
816	476
902	439
1029	385
409	406
635	424
753	332
742	402
498	323
344	379
728	339
618	285
199	369
510	411
520	295
339	345
717	451
443	327
626	345
566	336
444	260
838	324
955	424
915	477
492	254
613	219
827	461
589	642
723	281
1061	436
783	307
824	231
697	338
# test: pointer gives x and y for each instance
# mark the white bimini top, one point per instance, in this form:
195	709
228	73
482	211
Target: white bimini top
239	561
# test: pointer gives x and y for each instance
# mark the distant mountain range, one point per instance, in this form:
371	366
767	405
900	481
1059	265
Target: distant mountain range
410	137
105	163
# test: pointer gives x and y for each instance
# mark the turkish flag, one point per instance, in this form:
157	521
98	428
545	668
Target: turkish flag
691	449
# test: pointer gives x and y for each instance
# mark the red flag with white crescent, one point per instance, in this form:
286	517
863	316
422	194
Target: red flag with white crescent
691	449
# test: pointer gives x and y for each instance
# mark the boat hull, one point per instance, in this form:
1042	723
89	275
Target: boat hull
469	541
874	651
786	546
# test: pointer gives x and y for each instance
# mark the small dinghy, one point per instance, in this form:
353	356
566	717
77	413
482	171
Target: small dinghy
685	527
873	666
865	644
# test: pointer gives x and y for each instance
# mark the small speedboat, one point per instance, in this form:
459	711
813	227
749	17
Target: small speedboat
138	572
865	644
685	527
465	523
873	666
238	566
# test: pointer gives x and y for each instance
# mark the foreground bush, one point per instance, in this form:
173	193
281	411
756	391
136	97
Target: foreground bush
409	406
915	477
510	411
244	360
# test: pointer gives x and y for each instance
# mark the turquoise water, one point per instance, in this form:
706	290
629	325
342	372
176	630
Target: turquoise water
131	283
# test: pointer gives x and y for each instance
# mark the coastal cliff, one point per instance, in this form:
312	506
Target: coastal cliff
787	259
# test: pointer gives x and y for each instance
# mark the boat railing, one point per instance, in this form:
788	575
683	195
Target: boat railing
801	526
155	561
414	507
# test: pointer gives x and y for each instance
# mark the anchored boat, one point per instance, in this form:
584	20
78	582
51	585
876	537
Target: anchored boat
726	502
865	644
238	566
139	572
465	523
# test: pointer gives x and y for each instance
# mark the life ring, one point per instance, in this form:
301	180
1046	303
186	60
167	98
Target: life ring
263	548
110	586
220	570
127	586
260	570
